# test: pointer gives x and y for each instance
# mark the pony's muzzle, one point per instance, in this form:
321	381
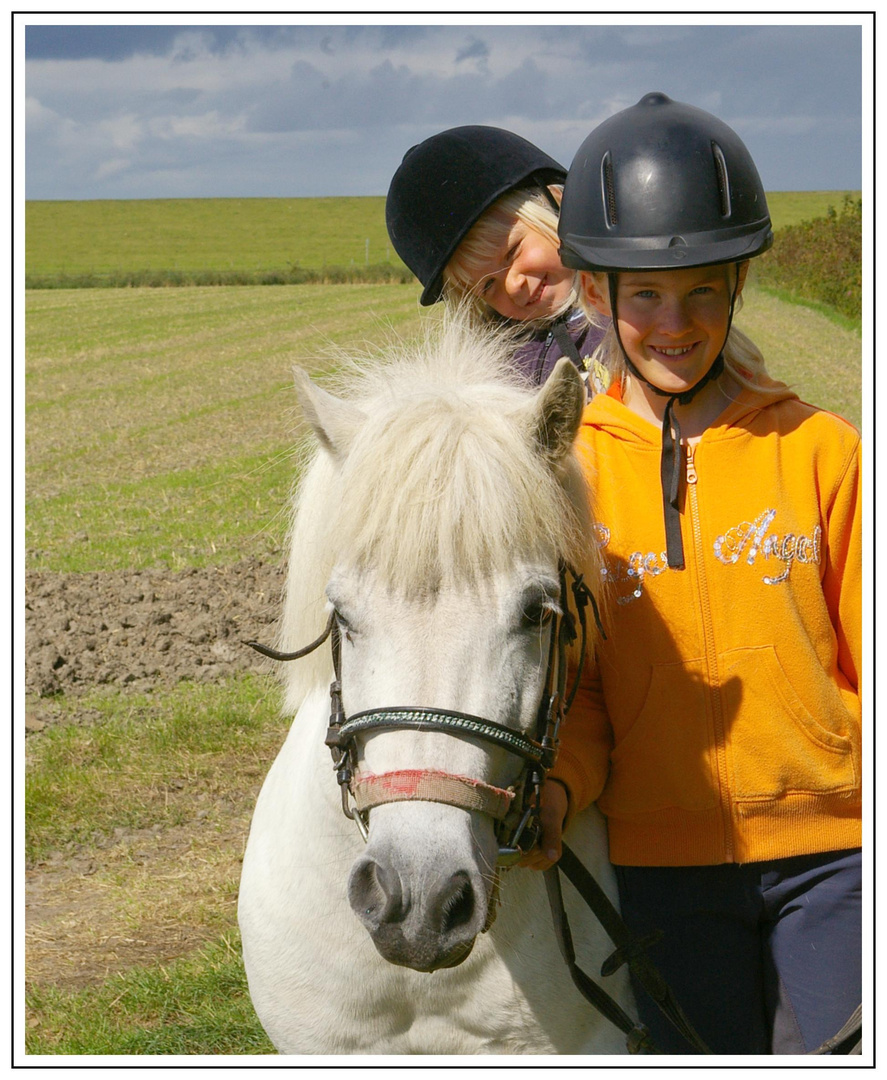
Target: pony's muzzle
424	928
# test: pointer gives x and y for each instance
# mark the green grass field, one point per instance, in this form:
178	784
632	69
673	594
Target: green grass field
204	234
105	236
160	422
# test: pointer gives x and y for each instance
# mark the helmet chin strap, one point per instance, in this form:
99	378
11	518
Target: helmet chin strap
671	463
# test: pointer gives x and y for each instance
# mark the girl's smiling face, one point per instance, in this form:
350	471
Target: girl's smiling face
525	280
672	323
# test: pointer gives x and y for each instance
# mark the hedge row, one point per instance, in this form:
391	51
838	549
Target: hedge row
820	260
379	274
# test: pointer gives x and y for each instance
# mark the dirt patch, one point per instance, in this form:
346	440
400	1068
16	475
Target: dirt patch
138	629
81	926
141	896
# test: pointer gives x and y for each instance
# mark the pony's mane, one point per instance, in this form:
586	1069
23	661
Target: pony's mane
441	483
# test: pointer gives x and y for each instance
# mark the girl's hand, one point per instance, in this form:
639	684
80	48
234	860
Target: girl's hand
554	804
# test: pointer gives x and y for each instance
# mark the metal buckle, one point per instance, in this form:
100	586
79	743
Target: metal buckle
363	825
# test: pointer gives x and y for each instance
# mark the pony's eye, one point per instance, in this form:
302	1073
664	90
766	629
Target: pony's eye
346	630
537	614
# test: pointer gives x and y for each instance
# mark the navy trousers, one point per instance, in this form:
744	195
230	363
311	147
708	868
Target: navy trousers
764	958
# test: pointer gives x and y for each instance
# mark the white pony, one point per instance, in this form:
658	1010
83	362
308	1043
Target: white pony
432	522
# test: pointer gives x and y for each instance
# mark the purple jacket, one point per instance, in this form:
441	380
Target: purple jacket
536	358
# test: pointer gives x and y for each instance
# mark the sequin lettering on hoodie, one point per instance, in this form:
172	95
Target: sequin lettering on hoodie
749	539
745	542
634	572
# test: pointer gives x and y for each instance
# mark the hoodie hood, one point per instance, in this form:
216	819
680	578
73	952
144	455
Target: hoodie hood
610	414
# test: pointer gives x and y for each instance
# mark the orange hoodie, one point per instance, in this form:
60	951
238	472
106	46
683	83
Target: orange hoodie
721	722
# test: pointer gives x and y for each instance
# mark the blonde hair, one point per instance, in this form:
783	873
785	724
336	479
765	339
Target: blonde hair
484	241
743	360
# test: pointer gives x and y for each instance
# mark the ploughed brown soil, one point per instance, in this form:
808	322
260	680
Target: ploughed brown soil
144	628
139	896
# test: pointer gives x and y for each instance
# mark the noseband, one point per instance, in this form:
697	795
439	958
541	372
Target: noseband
515	809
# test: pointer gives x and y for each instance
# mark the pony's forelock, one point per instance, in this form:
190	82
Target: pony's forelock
441	483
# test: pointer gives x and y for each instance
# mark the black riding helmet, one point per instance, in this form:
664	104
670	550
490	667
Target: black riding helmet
443	186
659	186
663	186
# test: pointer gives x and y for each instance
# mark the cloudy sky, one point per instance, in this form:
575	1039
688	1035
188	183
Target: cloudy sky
157	111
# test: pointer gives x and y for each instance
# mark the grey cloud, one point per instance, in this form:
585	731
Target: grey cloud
331	109
475	50
181	96
119	42
387	95
392	93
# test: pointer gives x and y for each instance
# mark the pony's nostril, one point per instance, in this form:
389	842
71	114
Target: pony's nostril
457	904
374	893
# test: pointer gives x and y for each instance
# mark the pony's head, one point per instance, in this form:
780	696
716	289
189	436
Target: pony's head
440	504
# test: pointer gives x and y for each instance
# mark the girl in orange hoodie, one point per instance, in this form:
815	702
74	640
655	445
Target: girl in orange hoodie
720	730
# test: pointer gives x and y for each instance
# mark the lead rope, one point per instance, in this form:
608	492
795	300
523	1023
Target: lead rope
629	949
848	1040
637	1036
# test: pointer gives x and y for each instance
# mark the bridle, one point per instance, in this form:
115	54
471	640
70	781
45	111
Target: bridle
514	809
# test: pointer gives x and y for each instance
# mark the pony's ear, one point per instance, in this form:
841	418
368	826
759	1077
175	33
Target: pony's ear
333	420
557	411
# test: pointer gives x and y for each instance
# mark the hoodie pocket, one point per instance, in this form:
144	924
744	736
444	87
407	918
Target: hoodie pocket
663	760
775	745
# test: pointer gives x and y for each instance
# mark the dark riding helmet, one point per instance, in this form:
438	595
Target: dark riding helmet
443	186
659	186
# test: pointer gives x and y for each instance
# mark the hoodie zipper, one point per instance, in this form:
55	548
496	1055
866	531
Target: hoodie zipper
711	655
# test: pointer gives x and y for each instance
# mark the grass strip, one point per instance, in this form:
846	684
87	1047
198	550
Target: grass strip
196	1005
162	278
214	515
147	760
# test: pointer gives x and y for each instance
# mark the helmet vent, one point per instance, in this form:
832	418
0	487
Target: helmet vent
609	192
723	180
